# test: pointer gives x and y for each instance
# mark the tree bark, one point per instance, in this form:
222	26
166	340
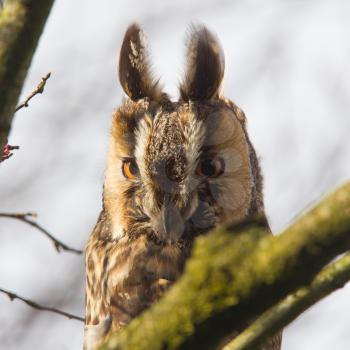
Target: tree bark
237	273
21	24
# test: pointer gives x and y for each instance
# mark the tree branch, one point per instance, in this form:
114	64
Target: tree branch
21	24
333	277
237	273
38	90
24	217
37	306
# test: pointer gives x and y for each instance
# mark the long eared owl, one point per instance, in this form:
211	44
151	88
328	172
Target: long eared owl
175	170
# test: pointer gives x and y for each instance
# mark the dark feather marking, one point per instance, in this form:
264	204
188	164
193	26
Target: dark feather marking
134	67
205	66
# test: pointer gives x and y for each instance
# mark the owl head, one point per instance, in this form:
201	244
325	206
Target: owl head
177	169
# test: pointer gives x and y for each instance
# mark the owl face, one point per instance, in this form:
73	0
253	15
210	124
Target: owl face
176	169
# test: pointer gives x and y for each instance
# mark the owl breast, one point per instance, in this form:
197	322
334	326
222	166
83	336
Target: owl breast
125	277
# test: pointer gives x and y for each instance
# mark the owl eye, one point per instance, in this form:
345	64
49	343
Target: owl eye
211	167
129	169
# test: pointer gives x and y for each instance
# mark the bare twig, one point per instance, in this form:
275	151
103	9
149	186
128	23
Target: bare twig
25	218
37	306
7	152
38	90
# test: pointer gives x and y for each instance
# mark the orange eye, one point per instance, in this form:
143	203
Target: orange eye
129	169
211	167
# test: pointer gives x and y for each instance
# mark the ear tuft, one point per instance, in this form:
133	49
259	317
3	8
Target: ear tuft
134	67
205	66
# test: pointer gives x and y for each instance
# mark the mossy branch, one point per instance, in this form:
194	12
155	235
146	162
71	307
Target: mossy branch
237	273
21	24
327	281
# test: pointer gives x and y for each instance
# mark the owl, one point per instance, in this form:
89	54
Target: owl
175	170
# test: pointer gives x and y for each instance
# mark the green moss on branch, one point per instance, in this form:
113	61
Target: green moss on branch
328	280
235	274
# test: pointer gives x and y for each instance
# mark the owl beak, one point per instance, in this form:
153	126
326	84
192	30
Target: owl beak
172	224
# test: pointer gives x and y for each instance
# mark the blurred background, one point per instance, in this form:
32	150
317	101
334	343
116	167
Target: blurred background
287	67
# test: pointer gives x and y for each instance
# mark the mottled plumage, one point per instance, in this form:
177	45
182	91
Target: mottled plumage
175	170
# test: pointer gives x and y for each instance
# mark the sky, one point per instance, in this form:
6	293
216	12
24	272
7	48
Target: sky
287	67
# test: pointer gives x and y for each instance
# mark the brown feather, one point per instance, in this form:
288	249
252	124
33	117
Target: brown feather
134	67
205	66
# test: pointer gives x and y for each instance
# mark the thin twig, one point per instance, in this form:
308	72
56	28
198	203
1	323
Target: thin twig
7	152
327	281
38	90
37	306
24	217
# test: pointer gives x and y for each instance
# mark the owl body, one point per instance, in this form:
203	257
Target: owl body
175	170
